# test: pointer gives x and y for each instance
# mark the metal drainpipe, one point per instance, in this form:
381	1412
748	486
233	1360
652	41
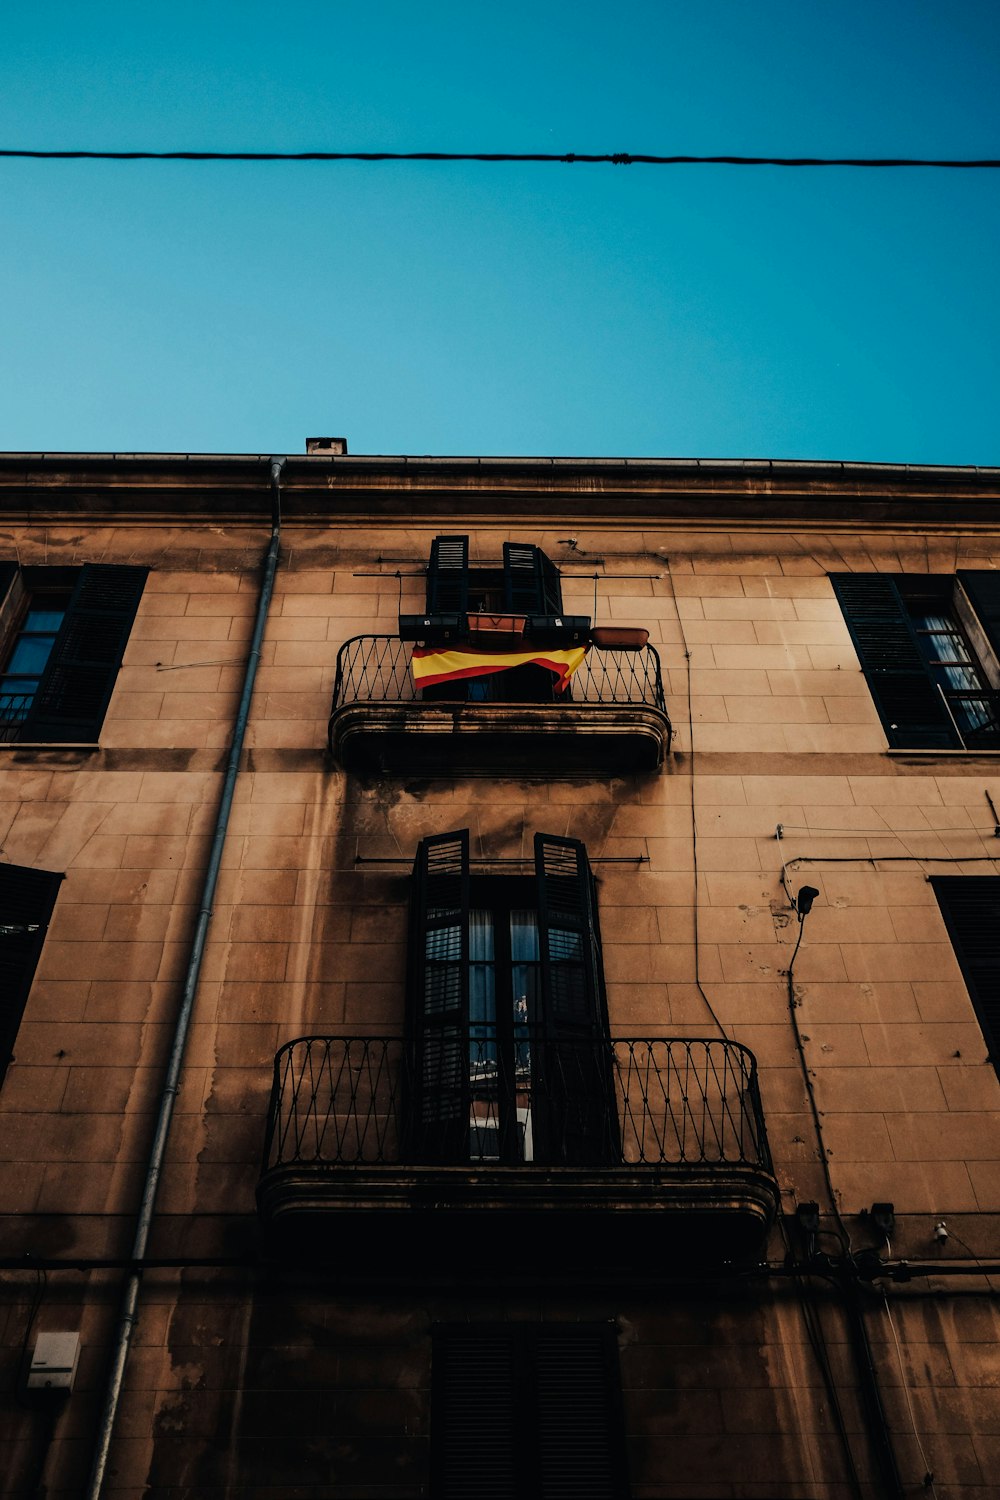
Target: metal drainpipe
130	1299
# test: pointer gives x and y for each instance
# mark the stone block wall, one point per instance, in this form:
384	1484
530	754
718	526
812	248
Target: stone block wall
774	726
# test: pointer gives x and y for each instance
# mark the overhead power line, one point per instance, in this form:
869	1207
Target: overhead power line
615	159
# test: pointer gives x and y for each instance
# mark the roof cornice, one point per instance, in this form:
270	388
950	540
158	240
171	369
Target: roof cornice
112	487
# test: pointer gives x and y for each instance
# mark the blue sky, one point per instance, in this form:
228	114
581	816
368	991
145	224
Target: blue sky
689	311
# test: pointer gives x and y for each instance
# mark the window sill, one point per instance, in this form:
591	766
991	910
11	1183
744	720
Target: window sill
895	752
86	745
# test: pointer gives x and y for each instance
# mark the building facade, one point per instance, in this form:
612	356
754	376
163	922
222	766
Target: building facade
499	967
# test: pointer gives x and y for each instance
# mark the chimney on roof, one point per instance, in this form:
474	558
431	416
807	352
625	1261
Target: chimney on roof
332	447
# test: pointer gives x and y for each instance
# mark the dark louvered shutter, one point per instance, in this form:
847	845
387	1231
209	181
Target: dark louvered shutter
913	713
476	1424
78	681
574	1101
530	581
970	905
581	1452
448	576
527	1412
26	901
438	1001
983	590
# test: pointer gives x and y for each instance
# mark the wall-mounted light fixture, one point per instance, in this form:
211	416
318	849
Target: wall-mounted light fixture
804	900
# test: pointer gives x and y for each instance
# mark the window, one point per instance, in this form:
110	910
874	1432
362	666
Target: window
929	646
26	901
514	604
527	1411
970	905
63	632
507	1025
526	583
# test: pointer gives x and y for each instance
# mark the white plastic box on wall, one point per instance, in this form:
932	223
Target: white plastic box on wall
54	1361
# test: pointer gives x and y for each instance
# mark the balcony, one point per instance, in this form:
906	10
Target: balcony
631	1154
612	718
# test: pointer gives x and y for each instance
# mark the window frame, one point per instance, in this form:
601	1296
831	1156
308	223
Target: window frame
571	1086
33	586
530	1400
970	909
27	899
527	582
903	679
74	690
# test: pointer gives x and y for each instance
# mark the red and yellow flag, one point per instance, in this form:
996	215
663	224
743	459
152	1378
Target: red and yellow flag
431	666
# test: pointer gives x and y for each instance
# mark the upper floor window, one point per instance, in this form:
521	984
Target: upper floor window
970	905
507	1024
26	900
525	583
512	606
63	632
928	646
44	612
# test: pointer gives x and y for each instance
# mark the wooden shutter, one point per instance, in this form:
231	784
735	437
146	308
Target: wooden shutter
913	713
78	681
476	1423
530	581
970	905
438	1001
527	1412
581	1450
983	590
448	576
574	1097
26	901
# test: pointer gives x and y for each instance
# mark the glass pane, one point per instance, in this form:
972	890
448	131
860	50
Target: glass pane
30	654
482	1004
14	705
484	1139
960	678
19	687
47	621
524	937
973	713
481	936
946	647
525	971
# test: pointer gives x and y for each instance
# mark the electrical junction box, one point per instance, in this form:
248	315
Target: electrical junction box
54	1361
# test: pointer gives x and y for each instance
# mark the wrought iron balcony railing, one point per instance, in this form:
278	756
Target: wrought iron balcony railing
376	669
629	1105
13	715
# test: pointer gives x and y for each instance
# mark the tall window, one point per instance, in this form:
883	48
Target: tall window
26	901
504	989
63	632
970	905
40	623
526	584
928	646
527	1411
510	1058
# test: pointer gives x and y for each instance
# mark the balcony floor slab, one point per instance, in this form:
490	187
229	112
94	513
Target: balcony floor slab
638	1218
499	739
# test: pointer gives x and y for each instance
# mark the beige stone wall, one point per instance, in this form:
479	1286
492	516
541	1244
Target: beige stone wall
305	939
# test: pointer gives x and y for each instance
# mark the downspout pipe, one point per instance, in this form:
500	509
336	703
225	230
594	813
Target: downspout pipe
157	1154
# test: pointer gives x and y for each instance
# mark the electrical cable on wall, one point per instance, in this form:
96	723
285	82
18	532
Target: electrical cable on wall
694	813
928	1471
579	158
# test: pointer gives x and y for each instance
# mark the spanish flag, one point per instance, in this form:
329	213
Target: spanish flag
430	667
